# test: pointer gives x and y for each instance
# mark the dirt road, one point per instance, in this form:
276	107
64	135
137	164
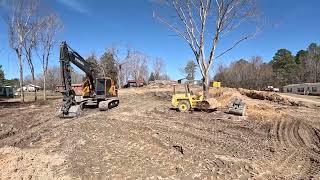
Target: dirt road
143	138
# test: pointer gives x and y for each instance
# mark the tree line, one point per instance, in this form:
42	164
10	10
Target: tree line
134	66
284	68
32	31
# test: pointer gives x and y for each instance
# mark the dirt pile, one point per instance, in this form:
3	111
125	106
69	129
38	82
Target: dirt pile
15	163
166	95
7	130
270	96
161	84
225	95
143	138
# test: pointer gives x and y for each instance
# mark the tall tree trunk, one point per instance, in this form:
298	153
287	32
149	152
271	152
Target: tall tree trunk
34	83
44	86
205	86
29	58
35	91
18	51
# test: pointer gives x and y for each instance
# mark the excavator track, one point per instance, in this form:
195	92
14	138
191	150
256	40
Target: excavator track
108	104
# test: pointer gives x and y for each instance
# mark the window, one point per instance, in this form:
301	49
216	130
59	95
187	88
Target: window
300	89
314	89
289	89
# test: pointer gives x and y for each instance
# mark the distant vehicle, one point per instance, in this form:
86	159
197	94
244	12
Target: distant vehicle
271	88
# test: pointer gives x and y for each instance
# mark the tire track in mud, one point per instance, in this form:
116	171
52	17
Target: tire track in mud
288	137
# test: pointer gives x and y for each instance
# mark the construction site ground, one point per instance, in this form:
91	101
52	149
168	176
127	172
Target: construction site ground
143	138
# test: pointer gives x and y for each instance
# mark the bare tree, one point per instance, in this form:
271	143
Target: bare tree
50	26
19	20
193	25
29	45
253	74
158	68
134	65
123	69
138	63
52	77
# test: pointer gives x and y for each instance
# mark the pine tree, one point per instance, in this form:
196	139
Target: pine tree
2	78
151	78
108	63
190	70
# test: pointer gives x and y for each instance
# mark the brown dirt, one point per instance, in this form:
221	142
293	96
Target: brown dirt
143	138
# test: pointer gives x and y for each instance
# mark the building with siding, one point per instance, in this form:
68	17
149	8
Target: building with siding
6	91
304	88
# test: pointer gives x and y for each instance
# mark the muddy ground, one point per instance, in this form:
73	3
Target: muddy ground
143	138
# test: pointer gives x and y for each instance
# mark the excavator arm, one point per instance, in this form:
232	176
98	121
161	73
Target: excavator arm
68	56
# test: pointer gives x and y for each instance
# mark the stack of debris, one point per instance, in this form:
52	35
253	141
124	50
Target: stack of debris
161	83
270	96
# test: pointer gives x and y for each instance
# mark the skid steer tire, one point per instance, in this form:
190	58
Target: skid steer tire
184	106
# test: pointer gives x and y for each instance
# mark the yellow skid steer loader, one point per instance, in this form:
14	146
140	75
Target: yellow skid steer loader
186	101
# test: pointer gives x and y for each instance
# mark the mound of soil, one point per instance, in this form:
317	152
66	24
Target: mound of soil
270	96
161	84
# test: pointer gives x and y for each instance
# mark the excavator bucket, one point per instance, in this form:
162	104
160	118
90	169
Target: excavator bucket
74	111
237	107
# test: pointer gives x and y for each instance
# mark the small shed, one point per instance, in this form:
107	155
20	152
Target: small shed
303	88
182	81
6	91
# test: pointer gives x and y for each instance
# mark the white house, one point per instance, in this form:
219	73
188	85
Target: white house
304	88
29	88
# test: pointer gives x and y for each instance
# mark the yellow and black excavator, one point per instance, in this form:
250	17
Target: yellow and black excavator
97	92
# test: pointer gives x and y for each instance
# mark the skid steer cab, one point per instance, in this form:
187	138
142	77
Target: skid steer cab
186	101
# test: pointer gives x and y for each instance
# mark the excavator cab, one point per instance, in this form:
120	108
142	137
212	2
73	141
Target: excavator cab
105	87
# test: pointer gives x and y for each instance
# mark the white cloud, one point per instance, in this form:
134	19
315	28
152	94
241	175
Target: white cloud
74	5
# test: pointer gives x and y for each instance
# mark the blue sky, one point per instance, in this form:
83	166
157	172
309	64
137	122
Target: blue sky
92	26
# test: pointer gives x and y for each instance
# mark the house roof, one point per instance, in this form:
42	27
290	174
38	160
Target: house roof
32	85
303	84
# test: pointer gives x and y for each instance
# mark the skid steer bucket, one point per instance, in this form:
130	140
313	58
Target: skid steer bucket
74	111
210	104
237	107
